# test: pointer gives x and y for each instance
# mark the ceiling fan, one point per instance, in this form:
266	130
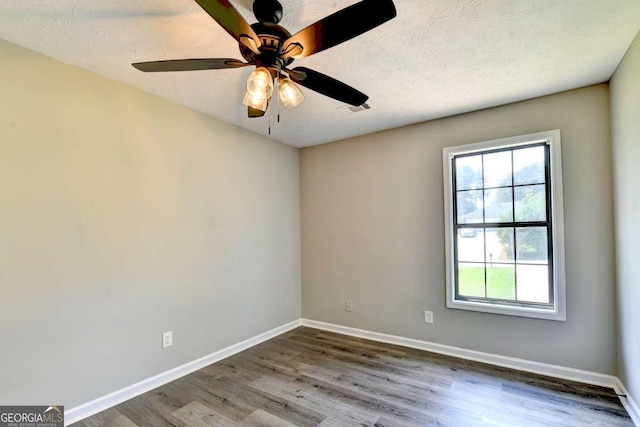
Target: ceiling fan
271	49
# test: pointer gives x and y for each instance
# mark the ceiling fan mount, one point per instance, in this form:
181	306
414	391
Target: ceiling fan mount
271	49
267	11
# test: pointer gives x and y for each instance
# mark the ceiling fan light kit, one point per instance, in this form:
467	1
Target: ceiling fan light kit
271	49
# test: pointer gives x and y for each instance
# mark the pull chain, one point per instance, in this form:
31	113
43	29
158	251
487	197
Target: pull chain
275	91
278	98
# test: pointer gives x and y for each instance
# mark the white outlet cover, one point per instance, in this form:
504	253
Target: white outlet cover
428	316
167	339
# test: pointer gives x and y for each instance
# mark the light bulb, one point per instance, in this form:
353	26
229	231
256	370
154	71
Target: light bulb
290	93
259	102
260	83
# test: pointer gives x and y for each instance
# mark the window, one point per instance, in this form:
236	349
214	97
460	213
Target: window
504	226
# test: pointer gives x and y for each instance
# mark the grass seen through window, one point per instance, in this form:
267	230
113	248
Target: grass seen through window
500	282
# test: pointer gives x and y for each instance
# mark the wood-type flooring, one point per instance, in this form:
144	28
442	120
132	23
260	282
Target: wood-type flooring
308	377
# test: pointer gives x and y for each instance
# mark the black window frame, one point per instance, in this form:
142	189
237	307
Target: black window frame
548	224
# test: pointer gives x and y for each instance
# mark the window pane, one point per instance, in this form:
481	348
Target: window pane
531	244
499	245
497	169
501	282
531	203
469	205
498	205
471	279
469	172
528	165
533	283
471	244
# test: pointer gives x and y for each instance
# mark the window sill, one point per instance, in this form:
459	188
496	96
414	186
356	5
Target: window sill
495	308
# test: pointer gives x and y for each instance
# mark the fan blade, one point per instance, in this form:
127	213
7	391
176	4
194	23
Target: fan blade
341	26
327	86
223	12
254	112
190	64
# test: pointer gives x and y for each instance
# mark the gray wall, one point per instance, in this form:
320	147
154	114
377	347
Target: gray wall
625	113
373	232
123	216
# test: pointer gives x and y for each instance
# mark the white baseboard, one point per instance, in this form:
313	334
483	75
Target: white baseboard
85	410
627	401
493	359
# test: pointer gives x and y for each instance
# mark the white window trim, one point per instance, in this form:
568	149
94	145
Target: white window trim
558	311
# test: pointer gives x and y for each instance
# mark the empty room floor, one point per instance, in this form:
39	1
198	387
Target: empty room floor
309	377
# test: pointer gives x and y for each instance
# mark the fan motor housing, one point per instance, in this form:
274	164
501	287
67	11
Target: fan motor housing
272	36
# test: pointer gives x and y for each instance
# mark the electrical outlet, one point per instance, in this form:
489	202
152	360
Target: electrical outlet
428	316
348	305
167	339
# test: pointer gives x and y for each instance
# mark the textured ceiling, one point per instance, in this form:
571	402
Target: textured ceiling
436	58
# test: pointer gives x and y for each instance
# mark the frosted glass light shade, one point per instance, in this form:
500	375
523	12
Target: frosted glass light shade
290	94
259	102
260	83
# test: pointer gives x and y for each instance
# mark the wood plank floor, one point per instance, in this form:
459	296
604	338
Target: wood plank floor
309	377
